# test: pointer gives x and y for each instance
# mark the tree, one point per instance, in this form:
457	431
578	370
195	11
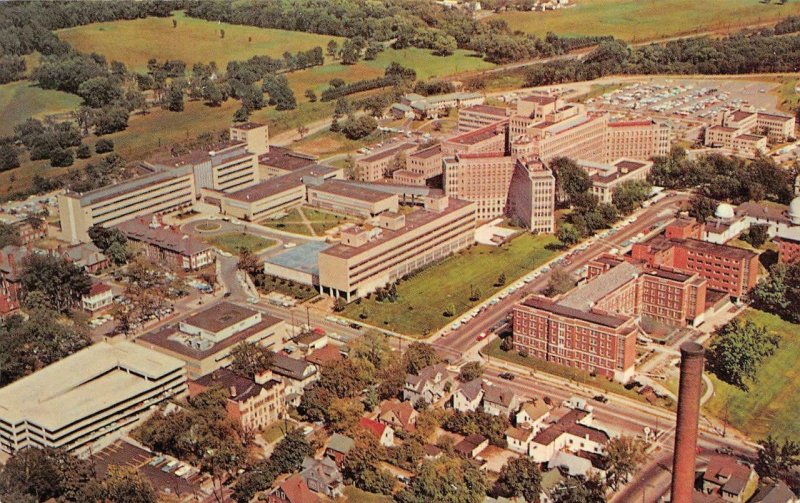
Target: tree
99	92
35	474
174	98
126	484
61	157
62	282
104	145
419	355
258	478
520	477
629	195
355	129
777	460
241	115
373	347
623	455
350	53
579	490
9	235
702	208
83	151
9	156
756	235
501	279
288	455
571	179
470	371
311	95
568	234
339	305
110	120
445	479
344	413
737	350
560	282
249	359
249	262
332	48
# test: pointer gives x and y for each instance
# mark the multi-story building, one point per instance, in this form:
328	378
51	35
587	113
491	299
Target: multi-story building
167	245
430	107
637	139
726	268
397	244
607	177
375	166
252	403
204	340
156	193
589	340
478	116
503	185
98	297
281	161
747	132
86	396
485	140
788	245
351	198
426	162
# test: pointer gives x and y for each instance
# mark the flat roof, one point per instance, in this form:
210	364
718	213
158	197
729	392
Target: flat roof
661	242
632	123
351	191
286	159
81	384
279	184
389	152
220	316
248	125
138	183
486	109
197	155
302	258
477	135
750	137
414	219
428	152
587	295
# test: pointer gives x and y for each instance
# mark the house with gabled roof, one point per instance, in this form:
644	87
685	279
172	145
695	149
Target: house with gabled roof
499	401
429	384
727	477
398	415
322	476
338	447
293	490
532	415
468	396
383	433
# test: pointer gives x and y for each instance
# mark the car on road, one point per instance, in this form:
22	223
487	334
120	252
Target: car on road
600	398
355	326
481	336
508	376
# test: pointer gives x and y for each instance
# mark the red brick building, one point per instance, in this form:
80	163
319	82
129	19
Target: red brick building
726	268
588	340
788	246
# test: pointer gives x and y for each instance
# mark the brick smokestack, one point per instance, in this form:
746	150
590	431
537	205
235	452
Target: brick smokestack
683	459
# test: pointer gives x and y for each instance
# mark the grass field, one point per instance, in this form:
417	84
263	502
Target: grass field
322	221
641	20
326	143
319	221
771	405
192	41
578	376
424	298
353	494
232	242
20	100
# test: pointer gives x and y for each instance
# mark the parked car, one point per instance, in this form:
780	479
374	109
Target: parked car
508	376
601	398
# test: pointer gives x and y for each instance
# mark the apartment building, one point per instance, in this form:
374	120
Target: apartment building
637	139
478	116
589	340
253	404
157	193
375	166
204	340
726	268
87	396
351	198
488	139
607	177
369	257
167	245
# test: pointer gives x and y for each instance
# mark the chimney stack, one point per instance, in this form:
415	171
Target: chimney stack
233	391
685	452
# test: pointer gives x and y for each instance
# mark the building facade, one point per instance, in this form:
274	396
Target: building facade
639	139
375	166
166	245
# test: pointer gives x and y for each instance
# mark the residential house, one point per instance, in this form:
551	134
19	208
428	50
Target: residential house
322	476
468	396
519	439
87	256
572	431
499	401
326	355
296	374
252	403
383	433
774	491
471	445
12	258
532	415
728	478
293	490
572	464
338	447
431	451
429	385
398	415
98	297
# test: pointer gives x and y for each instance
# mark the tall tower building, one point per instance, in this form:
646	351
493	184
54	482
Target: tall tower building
685	452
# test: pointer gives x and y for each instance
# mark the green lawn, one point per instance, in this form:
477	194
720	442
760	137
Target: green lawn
771	405
355	495
326	143
274	432
641	20
232	242
318	220
291	222
286	287
425	297
578	376
322	221
20	100
193	41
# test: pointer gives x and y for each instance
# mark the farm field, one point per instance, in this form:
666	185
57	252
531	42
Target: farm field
642	20
424	297
771	405
20	100
192	41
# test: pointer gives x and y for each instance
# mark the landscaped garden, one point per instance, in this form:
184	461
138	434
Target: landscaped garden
234	242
